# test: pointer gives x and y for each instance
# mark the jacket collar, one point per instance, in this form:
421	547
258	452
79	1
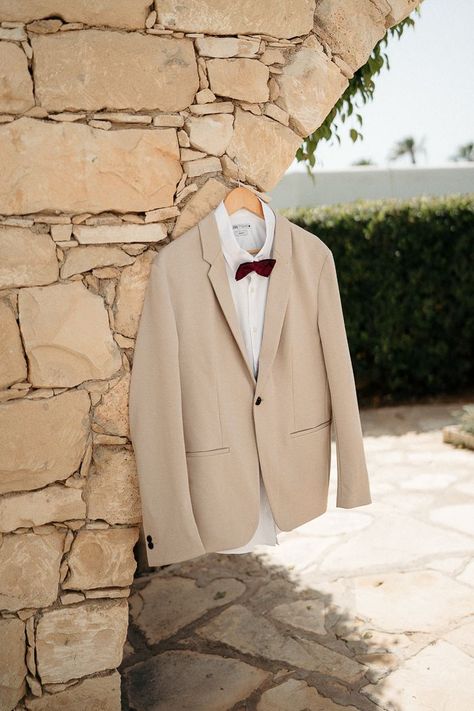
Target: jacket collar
233	252
277	293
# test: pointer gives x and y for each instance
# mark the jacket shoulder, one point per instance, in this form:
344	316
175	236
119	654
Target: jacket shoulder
171	253
308	240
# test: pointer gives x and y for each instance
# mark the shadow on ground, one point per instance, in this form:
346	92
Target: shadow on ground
230	632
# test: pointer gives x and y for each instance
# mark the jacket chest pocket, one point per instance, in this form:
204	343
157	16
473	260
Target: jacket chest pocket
202	427
310	387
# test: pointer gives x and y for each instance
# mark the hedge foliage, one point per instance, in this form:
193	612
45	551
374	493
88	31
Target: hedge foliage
406	277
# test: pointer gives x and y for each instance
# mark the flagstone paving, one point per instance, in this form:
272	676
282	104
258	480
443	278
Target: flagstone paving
366	608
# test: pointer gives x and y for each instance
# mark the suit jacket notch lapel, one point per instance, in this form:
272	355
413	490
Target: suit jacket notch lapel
277	293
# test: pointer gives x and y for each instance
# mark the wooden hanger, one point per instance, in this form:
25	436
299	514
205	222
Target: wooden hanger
242	198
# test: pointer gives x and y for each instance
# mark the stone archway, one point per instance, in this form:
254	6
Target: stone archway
122	124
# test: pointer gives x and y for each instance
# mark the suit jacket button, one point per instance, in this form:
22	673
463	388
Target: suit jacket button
148	537
151	544
258	400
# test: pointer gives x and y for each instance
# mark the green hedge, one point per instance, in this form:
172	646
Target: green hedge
405	272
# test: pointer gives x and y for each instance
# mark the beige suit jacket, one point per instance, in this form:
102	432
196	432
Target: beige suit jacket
200	421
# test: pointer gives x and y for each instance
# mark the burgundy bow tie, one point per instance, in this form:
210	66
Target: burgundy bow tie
261	266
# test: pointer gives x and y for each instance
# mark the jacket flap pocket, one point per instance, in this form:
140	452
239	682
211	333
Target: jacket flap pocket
207	452
309	430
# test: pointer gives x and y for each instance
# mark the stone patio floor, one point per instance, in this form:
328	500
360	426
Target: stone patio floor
366	608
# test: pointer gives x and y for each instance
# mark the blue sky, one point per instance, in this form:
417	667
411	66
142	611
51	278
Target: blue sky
427	93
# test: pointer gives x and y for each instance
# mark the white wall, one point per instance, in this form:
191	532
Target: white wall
370	182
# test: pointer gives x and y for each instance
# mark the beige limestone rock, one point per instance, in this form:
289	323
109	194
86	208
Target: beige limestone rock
109	439
457	516
122	117
310	85
351	28
274	111
210	133
435	678
84	259
103	125
257	136
245	79
463	636
111	491
107	593
183	140
166	605
279	18
296	694
200	166
72	597
175	120
137	71
407	539
101	559
16	86
201	203
229	168
57	429
111	414
307	615
122	13
95	693
272	55
130	294
253	108
253	634
30	569
26	258
190	154
12	359
54	503
205	96
399	10
81	349
12	662
218	107
126	234
217	682
227	46
188	190
67	640
68	166
381	599
44	27
16	34
163	213
60	233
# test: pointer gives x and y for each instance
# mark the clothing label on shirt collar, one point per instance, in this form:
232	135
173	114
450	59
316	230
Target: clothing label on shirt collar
242	229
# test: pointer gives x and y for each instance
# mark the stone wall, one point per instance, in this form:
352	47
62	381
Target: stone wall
121	125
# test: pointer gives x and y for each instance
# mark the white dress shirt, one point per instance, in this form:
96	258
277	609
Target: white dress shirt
239	232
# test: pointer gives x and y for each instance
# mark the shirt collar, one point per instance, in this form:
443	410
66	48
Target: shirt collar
233	252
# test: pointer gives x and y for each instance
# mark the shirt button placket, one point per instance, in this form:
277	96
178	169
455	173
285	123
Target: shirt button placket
253	329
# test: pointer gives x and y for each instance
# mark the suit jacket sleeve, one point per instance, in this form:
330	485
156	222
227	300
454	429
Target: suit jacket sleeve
156	429
352	476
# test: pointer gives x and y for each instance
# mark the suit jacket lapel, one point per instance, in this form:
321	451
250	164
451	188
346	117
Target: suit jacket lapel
277	293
